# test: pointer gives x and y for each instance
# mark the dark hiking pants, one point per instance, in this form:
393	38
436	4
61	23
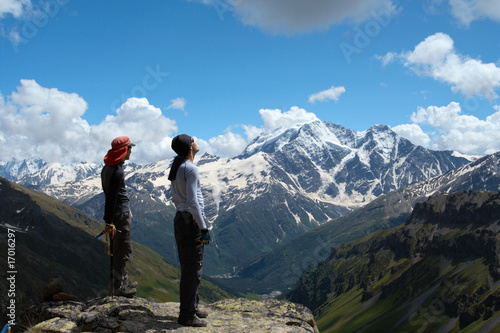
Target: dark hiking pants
190	249
122	248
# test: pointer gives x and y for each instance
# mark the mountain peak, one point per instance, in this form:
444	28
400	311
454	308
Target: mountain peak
207	158
380	128
17	169
319	134
310	135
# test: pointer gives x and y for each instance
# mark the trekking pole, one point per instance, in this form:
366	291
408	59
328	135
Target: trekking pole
111	267
108	231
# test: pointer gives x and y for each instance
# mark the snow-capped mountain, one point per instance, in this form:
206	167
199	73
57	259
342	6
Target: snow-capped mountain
479	175
350	168
280	269
15	170
36	172
283	184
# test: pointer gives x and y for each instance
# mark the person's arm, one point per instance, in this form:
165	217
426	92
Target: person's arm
193	191
199	196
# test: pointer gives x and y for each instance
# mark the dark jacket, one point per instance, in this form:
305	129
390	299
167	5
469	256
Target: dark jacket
115	191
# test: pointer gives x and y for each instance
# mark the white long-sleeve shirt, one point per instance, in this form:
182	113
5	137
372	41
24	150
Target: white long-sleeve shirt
186	192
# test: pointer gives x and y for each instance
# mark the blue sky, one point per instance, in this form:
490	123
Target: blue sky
76	74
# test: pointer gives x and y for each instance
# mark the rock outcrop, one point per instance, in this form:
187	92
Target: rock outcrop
119	314
53	291
438	272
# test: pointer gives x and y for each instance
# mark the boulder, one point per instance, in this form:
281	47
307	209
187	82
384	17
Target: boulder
53	291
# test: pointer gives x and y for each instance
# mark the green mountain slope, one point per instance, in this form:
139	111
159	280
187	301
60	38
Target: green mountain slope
439	272
281	268
54	239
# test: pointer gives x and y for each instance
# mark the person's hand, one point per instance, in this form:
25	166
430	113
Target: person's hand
110	230
205	237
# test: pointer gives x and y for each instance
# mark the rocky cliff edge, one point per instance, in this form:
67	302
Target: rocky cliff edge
119	314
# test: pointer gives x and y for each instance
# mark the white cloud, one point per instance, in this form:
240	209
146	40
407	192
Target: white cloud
433	6
36	119
252	132
414	133
232	144
14	36
27	18
436	57
451	130
467	11
299	16
39	122
177	103
141	122
228	145
14	7
275	118
47	123
330	94
387	59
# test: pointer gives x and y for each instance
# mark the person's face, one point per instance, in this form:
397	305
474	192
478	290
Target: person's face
194	147
129	150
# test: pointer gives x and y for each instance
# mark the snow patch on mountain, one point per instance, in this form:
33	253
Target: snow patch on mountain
235	174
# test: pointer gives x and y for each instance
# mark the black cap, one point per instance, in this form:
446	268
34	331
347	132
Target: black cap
181	144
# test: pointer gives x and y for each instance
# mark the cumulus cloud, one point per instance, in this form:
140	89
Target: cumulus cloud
330	94
414	133
14	7
47	123
451	130
251	132
436	57
228	145
232	144
35	118
467	11
274	118
299	16
139	120
177	103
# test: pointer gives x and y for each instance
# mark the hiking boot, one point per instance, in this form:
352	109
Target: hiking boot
194	322
125	292
130	284
201	313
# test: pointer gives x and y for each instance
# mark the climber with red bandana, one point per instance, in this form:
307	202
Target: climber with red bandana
117	215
